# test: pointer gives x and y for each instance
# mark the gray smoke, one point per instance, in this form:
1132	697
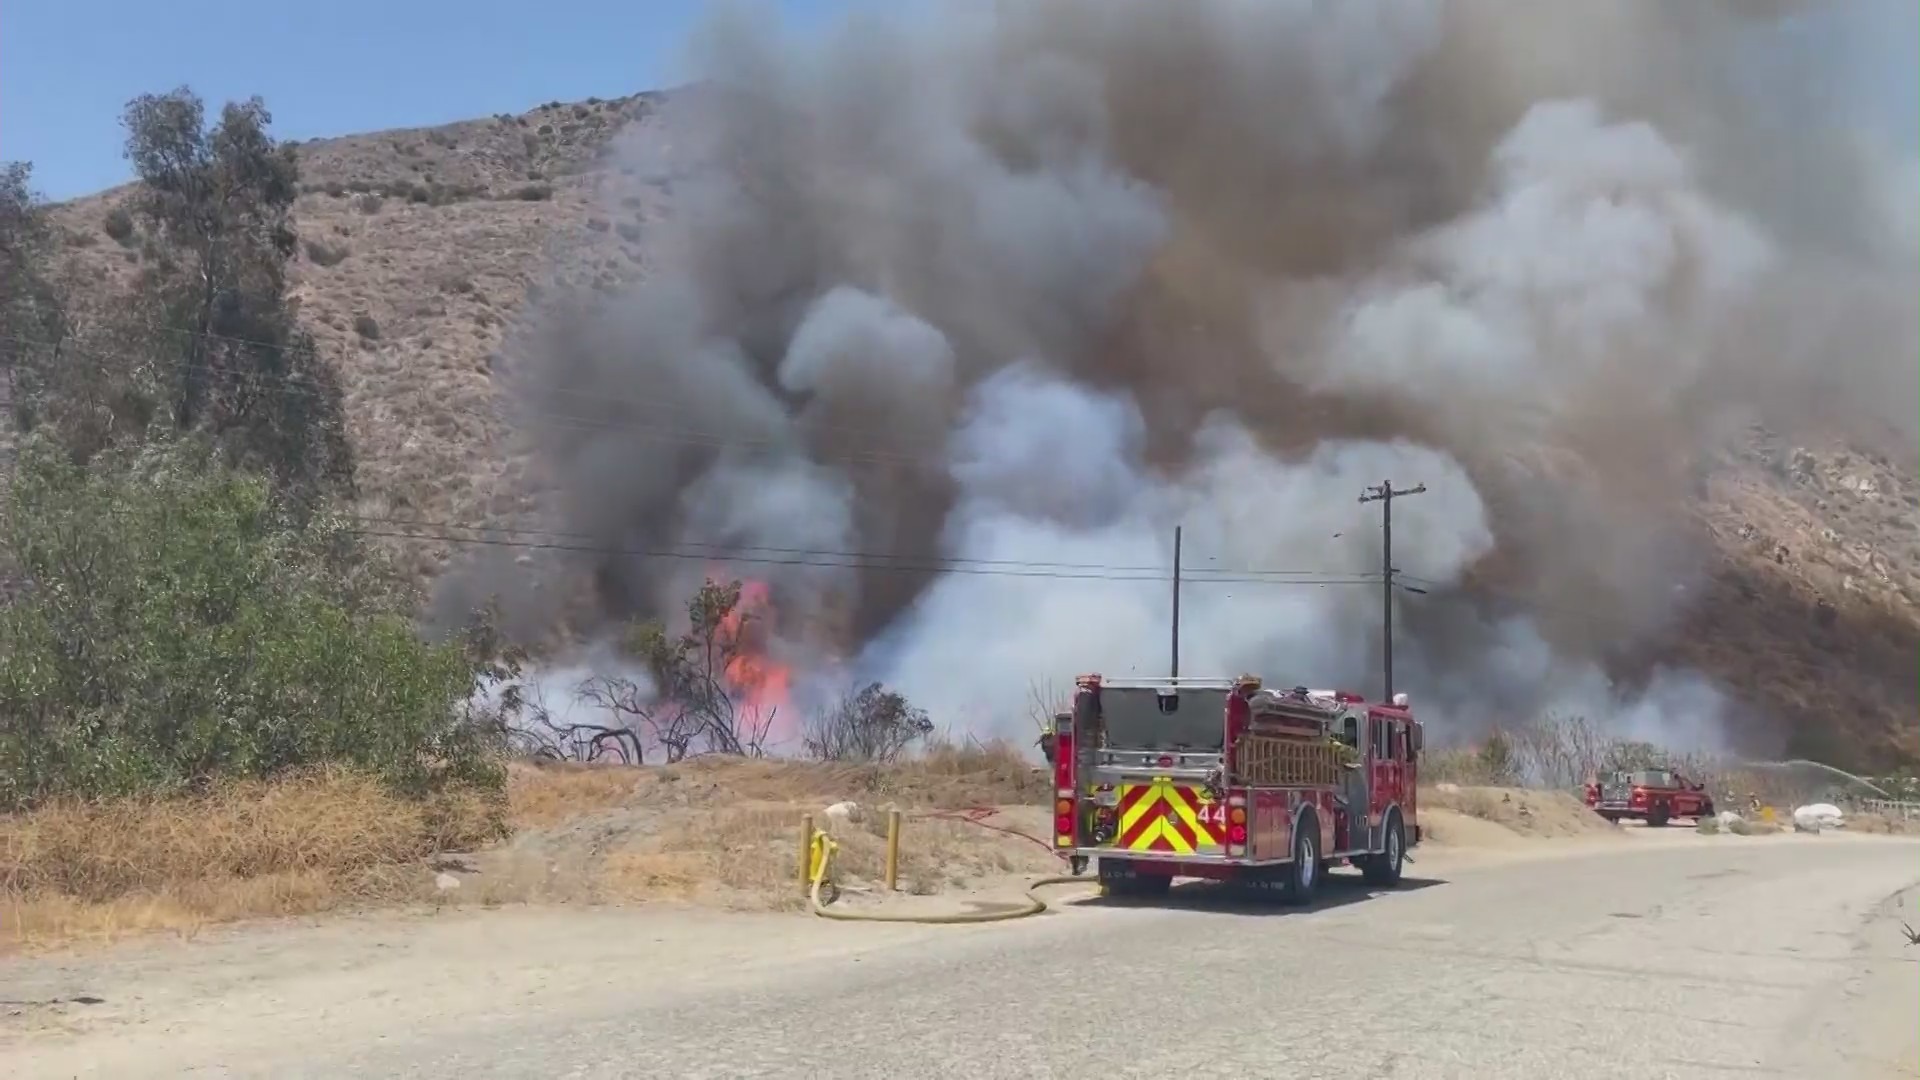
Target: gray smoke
1036	283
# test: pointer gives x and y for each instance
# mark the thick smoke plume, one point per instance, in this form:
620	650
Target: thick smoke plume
1020	284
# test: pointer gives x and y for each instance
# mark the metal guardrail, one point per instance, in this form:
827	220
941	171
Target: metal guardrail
1890	807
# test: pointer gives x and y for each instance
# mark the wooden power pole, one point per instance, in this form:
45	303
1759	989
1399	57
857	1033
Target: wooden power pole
1175	673
1384	495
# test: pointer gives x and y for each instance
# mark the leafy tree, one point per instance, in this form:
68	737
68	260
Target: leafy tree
33	314
177	624
1497	761
236	364
872	724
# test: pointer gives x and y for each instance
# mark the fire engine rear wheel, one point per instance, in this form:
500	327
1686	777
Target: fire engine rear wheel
1386	867
1300	879
1657	816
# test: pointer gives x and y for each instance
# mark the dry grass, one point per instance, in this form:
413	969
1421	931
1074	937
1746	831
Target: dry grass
547	794
304	844
713	830
1523	812
1882	824
727	831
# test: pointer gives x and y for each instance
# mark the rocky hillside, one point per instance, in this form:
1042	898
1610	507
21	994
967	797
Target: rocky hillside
422	246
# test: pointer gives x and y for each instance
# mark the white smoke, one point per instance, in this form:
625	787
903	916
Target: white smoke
1036	285
1051	472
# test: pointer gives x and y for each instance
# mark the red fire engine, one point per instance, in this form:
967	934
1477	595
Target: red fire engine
1655	796
1222	779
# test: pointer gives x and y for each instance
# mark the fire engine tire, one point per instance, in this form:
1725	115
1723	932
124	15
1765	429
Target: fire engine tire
1657	816
1386	867
1300	880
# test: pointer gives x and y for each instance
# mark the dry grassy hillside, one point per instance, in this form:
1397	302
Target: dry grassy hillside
421	245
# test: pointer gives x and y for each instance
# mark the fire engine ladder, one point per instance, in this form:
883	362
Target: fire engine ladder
1180	682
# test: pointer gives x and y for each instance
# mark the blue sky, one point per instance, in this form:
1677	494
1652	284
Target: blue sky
333	67
68	67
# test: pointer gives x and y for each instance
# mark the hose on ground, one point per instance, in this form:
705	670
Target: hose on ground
822	869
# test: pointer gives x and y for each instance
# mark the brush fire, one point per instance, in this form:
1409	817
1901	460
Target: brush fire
993	291
759	682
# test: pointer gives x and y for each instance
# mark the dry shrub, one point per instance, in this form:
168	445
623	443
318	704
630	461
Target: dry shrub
1882	824
299	844
321	253
1529	813
1743	827
1462	765
1557	752
945	775
1707	826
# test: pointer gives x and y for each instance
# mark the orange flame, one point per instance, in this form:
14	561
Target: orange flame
761	682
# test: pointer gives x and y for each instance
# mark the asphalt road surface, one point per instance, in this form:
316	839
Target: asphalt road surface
1700	958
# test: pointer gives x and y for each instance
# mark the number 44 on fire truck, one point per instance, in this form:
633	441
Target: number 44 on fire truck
1222	779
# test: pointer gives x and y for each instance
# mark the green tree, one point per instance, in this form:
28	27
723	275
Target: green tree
33	312
178	624
1497	761
234	361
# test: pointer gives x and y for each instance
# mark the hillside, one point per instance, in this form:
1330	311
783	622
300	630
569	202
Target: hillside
421	248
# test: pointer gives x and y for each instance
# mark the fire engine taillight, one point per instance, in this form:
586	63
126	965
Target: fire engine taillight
1164	761
1237	815
1236	834
1064	808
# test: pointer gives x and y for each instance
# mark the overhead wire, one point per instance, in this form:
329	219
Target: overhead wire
555	540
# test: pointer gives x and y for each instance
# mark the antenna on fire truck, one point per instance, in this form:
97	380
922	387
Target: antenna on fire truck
1175	673
1384	495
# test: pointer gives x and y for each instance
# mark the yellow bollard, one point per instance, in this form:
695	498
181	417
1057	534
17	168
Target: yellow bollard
806	853
893	849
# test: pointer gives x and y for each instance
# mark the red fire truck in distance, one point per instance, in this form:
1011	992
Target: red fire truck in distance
1222	779
1655	796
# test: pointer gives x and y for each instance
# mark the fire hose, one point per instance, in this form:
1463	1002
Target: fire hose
820	872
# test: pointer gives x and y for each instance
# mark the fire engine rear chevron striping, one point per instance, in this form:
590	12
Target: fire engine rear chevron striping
1164	817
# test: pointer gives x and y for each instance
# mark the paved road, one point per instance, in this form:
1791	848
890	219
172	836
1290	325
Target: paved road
1724	958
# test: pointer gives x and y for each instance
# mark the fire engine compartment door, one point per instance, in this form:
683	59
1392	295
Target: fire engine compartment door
1161	816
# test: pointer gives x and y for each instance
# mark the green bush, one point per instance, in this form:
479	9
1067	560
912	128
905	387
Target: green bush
119	225
178	625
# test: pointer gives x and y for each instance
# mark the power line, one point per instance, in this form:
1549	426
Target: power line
1220	573
922	567
295	383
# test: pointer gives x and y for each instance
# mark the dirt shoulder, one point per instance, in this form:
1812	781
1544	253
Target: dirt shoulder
722	834
712	834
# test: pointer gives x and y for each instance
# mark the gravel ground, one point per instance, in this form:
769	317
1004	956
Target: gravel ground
1669	955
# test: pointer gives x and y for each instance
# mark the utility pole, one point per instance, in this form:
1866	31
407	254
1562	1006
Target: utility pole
1176	602
1384	495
